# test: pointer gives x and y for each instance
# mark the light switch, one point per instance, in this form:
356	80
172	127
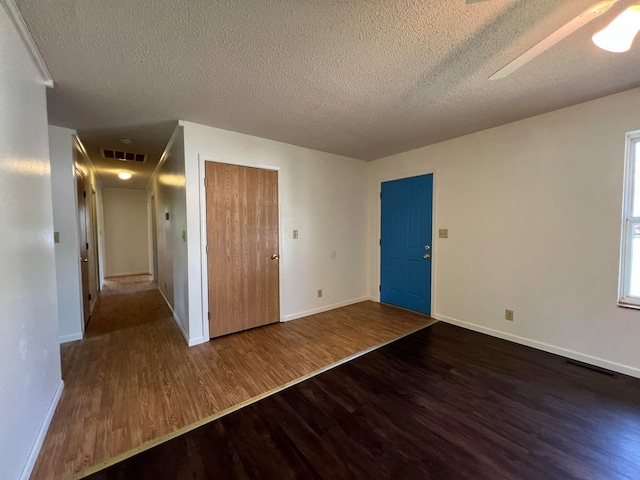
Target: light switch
184	236
295	234
443	233
56	237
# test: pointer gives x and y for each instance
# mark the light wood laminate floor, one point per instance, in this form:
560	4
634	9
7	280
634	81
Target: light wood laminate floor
132	382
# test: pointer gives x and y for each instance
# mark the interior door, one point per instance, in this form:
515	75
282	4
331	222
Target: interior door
405	249
242	245
94	241
84	245
154	240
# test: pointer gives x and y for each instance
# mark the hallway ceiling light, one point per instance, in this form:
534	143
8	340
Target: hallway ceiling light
618	36
124	175
126	140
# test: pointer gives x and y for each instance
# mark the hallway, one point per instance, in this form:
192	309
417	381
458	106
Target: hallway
132	382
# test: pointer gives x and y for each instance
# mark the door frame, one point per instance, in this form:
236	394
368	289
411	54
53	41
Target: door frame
203	230
434	221
153	236
84	295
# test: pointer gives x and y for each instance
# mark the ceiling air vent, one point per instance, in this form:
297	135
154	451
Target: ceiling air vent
126	156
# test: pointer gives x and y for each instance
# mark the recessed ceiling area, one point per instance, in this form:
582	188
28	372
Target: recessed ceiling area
361	79
149	140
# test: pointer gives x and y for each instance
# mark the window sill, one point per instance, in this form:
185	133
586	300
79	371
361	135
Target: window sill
629	305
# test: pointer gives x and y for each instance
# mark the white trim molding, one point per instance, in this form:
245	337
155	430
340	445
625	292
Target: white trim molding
625	299
37	445
128	274
21	27
545	347
190	341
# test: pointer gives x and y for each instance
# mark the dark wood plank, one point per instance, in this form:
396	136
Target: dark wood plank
133	382
442	403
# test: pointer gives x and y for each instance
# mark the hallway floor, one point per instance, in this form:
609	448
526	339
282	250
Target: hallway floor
444	403
133	383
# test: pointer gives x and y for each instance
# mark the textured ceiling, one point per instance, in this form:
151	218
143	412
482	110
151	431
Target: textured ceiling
365	79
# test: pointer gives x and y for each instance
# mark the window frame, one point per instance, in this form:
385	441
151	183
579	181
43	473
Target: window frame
632	146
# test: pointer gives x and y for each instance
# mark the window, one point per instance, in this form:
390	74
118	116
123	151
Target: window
630	255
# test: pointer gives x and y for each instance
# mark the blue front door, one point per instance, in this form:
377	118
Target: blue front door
405	263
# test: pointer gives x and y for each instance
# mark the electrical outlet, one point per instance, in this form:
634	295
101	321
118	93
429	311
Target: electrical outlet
508	315
295	234
319	293
443	233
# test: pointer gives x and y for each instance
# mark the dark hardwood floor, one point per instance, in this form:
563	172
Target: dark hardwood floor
442	403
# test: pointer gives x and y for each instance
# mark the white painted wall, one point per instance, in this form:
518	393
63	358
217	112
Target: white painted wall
323	196
168	185
65	156
533	210
65	222
125	232
30	382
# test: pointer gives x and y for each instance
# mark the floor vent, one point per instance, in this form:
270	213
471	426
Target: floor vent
126	156
593	368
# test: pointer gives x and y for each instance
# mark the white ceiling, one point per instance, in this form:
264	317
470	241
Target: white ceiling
365	79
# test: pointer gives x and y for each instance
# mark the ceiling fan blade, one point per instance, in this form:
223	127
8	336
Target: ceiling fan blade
563	32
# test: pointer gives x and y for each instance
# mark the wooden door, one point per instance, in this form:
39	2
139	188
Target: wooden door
242	245
84	244
405	251
94	240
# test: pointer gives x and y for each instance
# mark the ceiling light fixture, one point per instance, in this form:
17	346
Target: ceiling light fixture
618	36
126	140
124	175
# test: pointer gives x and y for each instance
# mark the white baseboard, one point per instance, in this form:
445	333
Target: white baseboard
175	317
326	308
197	341
72	337
127	274
581	357
190	341
37	445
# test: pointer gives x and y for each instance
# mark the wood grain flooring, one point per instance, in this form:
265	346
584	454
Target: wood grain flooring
132	383
443	403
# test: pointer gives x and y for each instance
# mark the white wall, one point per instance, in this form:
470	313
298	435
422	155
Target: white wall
66	155
323	196
65	222
30	382
533	210
126	246
169	190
